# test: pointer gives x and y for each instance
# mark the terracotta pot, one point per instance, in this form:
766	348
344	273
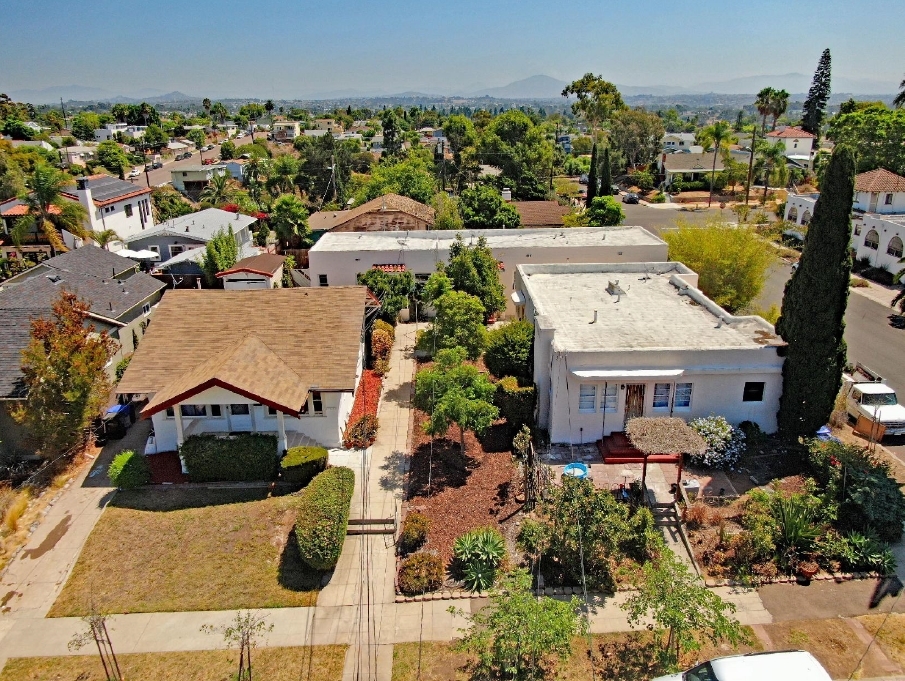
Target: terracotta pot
808	570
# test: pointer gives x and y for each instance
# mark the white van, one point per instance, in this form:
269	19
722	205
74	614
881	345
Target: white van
787	665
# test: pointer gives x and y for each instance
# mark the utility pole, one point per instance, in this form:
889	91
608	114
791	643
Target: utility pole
751	163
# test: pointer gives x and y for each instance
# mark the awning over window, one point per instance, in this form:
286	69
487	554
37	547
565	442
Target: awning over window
517	298
628	373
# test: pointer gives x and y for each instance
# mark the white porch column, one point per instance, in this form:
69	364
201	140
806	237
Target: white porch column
180	437
281	426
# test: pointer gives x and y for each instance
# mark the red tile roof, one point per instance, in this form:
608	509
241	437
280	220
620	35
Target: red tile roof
17	208
879	180
390	268
791	131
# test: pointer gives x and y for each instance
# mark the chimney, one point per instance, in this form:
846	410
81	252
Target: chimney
507	194
83	191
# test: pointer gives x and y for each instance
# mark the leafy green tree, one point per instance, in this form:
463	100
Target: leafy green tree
605	211
812	321
411	177
592	178
452	392
220	253
48	211
155	137
289	219
818	96
518	635
12	177
521	150
252	110
112	157
719	136
463	138
325	169
637	133
508	351
459	323
483	207
681	606
168	204
473	269
227	150
606	175
84	124
877	133
197	137
64	373
596	100
219	190
731	262
446	212
16	129
435	286
392	289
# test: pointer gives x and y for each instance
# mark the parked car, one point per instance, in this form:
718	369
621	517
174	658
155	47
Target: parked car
614	190
135	172
583	179
157	164
183	156
209	161
868	397
631	197
784	665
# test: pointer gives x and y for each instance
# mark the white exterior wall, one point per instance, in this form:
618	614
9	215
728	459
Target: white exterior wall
863	202
180	177
886	229
245	281
342	267
795	146
801	203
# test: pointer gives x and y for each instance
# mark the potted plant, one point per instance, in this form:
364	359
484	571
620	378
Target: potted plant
808	568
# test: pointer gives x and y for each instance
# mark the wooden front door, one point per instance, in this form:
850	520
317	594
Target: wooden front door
634	401
874	199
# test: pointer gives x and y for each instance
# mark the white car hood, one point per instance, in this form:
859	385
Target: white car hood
889	412
670	677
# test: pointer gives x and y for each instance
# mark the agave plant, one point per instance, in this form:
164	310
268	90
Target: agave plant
480	553
479	576
796	531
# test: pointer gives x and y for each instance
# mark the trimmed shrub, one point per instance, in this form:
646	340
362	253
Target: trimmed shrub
380	325
725	444
381	344
381	367
516	404
414	532
301	464
323	514
420	573
508	351
362	433
129	470
247	457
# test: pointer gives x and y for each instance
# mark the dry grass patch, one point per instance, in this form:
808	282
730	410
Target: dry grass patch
190	549
891	637
273	664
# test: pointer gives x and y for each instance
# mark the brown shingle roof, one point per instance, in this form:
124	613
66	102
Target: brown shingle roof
540	213
266	264
327	220
301	338
791	131
879	180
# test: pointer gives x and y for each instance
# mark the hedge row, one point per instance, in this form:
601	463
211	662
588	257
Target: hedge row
516	404
323	514
301	464
246	457
129	470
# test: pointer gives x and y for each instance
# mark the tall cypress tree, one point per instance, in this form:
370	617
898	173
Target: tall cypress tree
813	308
592	177
606	177
818	95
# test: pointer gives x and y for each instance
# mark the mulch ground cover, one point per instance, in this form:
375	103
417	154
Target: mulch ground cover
459	493
368	395
166	468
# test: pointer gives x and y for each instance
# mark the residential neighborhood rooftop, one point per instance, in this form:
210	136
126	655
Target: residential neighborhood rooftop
202	225
879	180
15	333
265	263
496	238
327	220
88	260
698	163
106	189
635	306
540	213
791	131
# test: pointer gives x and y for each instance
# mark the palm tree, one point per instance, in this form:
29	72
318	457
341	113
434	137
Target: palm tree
779	102
220	111
764	106
49	211
720	136
289	219
268	107
772	155
219	190
206	103
104	238
283	172
899	101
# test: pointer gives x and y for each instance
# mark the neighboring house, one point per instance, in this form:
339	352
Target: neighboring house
329	125
315	133
879	239
673	141
540	213
390	212
110	130
31	143
377	143
257	272
191	180
799	144
78	155
230	129
613	342
694	167
337	258
286	130
283	361
122	301
236	168
179	147
180	242
800	208
880	191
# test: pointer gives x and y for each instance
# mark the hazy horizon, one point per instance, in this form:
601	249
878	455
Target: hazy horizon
284	50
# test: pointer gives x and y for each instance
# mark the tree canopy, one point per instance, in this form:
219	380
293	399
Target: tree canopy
392	289
877	133
605	211
411	177
459	322
513	143
483	207
473	269
112	157
220	253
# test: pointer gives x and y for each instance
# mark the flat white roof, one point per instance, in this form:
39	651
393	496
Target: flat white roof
202	225
874	388
576	237
656	309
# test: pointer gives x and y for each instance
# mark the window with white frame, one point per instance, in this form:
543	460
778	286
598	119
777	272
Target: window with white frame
872	240
156	249
857	229
193	410
661	395
587	397
683	396
176	250
609	399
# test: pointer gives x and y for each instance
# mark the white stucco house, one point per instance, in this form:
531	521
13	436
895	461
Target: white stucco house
880	191
286	130
281	361
110	130
800	208
192	179
799	144
618	341
674	141
338	257
879	238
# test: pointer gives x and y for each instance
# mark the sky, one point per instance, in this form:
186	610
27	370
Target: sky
292	48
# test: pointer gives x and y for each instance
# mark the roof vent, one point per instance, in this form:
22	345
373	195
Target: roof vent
55	278
614	289
187	229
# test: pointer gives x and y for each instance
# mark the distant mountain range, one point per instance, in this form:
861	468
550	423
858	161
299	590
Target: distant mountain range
539	87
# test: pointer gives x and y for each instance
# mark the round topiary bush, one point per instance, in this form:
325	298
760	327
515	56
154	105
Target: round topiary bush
420	573
725	444
414	532
129	470
301	464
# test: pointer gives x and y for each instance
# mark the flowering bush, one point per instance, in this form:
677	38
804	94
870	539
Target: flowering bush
362	428
725	444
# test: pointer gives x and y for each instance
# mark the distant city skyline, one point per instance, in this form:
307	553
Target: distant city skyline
286	50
